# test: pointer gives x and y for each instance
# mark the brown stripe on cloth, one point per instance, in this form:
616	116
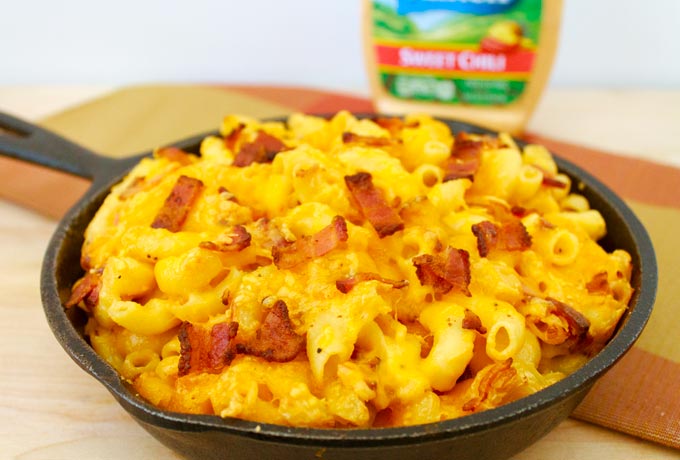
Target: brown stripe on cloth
52	192
307	100
654	414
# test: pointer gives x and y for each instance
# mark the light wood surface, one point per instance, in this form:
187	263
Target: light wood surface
50	409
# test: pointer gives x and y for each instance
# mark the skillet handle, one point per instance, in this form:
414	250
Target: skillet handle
28	142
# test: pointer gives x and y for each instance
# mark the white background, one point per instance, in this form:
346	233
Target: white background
604	43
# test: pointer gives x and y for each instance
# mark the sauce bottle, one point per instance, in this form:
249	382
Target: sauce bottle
480	61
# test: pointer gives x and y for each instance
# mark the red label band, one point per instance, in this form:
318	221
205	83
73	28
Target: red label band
416	57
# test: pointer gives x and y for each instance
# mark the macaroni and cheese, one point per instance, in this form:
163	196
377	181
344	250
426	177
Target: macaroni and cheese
347	272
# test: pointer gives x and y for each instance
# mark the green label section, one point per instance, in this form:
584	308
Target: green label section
450	27
452	90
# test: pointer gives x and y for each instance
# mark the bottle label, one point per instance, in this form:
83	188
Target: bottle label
474	52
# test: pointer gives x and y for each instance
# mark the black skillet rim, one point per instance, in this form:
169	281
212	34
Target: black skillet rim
81	352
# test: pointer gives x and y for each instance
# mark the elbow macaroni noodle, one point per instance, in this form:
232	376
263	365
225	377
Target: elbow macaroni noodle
377	355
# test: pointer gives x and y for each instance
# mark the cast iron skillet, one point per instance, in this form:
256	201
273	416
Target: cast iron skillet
494	434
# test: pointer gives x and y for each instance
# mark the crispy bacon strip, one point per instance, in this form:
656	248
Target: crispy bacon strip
372	204
519	211
177	205
465	156
206	350
598	284
310	247
552	182
175	154
231	139
560	324
262	150
487	237
371	141
514	236
236	239
223	347
276	340
473	322
491	385
578	324
466	147
345	285
392	124
445	272
511	236
459	169
86	289
549	178
550	332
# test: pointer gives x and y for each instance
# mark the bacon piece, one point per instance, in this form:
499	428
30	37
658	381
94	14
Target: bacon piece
345	285
86	289
231	139
177	205
514	236
236	239
445	272
473	322
491	385
260	261
549	179
176	155
276	340
487	237
467	147
559	324
262	150
370	141
223	347
206	350
519	211
459	169
547	329
578	324
392	124
511	236
310	247
372	204
465	156
552	182
598	284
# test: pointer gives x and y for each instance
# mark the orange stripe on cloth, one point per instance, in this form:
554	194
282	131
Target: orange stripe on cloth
641	180
632	398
